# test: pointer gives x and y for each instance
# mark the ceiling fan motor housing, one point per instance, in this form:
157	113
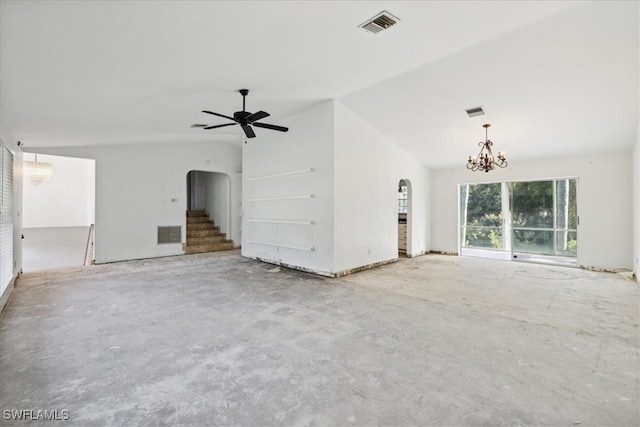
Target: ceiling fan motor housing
241	115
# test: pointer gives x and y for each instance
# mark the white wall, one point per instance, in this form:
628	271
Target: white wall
66	200
11	142
307	145
636	206
142	186
354	185
368	168
218	200
198	190
604	203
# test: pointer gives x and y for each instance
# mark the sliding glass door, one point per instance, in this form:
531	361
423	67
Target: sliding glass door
531	221
483	220
544	220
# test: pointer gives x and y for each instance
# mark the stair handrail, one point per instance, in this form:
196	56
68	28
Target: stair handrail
88	254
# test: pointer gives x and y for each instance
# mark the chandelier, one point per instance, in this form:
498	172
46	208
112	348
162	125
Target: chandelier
485	161
37	172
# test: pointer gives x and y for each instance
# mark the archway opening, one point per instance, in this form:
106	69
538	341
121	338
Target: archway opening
404	218
208	212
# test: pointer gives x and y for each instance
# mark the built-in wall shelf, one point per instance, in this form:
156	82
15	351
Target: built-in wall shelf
277	198
283	245
283	221
281	174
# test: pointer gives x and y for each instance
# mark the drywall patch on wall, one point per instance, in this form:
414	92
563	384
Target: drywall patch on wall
604	182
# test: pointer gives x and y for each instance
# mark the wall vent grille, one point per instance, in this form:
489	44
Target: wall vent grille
171	234
476	111
381	21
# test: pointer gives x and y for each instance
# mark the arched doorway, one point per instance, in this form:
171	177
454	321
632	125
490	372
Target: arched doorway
404	218
209	222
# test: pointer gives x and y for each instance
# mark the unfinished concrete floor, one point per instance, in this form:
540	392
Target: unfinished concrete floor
216	339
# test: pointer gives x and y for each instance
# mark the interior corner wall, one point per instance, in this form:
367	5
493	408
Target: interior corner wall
9	138
65	200
636	206
368	168
288	192
218	203
604	205
142	186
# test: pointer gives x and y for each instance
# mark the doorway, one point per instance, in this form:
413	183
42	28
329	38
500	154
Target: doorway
404	218
58	212
210	192
525	221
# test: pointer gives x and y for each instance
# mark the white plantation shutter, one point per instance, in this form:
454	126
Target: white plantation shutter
6	217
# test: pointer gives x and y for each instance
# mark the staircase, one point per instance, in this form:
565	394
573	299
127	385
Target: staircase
203	235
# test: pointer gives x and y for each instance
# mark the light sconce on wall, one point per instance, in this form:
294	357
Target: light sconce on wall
485	161
37	172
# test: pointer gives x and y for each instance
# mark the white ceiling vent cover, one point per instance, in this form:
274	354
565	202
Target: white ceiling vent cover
476	111
380	22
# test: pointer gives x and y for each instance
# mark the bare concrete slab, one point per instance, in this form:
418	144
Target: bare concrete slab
216	339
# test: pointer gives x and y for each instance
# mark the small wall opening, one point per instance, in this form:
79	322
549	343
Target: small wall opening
404	218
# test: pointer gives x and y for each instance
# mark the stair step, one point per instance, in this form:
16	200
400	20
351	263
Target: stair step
198	219
221	238
196	213
202	226
204	233
198	249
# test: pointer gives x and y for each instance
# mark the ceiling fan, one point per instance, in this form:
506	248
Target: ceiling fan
244	118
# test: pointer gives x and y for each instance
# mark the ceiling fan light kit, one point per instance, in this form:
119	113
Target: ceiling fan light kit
485	161
244	118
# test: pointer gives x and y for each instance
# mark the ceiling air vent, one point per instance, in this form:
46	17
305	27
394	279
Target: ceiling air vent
474	112
380	22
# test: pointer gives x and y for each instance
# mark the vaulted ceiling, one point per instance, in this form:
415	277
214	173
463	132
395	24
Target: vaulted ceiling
555	78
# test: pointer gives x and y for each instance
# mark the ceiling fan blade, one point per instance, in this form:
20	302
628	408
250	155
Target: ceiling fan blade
220	126
272	127
257	116
198	125
248	131
219	115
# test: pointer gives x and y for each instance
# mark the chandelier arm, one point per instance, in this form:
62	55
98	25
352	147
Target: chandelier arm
488	161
